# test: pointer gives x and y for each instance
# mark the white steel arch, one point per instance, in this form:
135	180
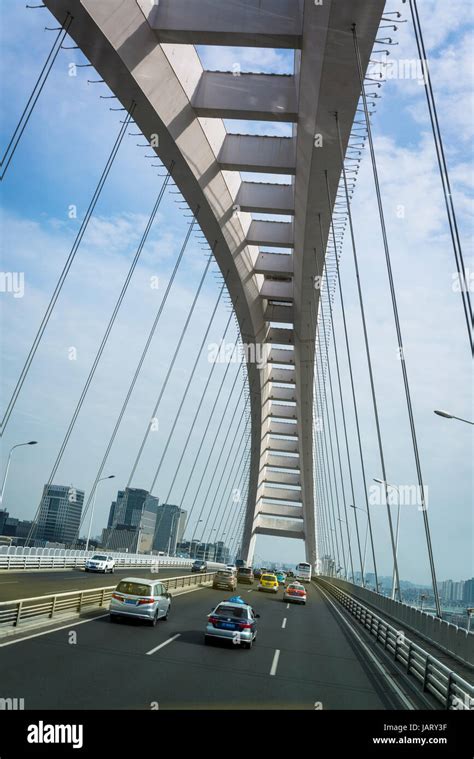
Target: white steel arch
144	50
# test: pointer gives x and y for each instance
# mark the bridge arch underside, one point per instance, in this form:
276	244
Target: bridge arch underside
145	53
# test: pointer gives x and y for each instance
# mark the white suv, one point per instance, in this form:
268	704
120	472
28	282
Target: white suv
100	562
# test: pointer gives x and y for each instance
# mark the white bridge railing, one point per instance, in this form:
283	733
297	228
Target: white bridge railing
18	558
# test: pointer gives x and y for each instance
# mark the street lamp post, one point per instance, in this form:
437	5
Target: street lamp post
395	560
447	415
351	506
110	477
174	533
193	535
470	612
18	445
343	521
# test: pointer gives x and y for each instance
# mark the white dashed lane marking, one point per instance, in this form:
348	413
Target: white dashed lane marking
276	656
157	648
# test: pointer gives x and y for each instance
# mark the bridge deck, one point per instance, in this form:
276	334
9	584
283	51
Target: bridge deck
109	667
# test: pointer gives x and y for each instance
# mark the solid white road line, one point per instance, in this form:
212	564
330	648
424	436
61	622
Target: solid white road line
183	593
381	668
10	582
73	623
162	645
283	624
288	605
276	656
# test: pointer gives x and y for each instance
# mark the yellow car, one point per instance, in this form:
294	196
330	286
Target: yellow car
268	582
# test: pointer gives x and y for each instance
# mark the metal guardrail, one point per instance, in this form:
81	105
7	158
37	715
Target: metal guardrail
12	613
448	688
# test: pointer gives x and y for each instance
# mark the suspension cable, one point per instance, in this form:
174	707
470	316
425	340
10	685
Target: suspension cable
188	385
65	270
369	360
173	361
341	400
211	416
216	466
232	458
323	511
218	461
36	92
443	170
104	341
355	406
326	497
331	460
327	472
335	429
400	340
243	462
189	435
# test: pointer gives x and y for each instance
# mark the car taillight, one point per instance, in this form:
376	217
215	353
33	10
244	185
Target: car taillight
117	597
213	620
244	626
143	601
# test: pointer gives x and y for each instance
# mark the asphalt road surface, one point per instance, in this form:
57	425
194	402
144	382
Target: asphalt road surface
23	584
304	658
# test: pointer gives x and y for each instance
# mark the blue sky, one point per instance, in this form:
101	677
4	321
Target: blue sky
57	165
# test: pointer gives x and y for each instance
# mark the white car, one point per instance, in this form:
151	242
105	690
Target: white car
100	562
231	568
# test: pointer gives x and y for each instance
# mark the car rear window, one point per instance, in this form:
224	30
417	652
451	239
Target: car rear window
269	578
245	571
231	611
134	588
224	573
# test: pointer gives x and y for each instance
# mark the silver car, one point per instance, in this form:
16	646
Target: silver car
235	622
141	599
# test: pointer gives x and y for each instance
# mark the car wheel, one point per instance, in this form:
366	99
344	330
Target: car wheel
155	619
167	613
112	617
85	569
247	644
207	642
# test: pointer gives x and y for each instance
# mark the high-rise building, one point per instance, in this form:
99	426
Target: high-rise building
446	590
128	507
60	514
3	518
132	521
110	520
468	591
222	553
169	531
458	589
